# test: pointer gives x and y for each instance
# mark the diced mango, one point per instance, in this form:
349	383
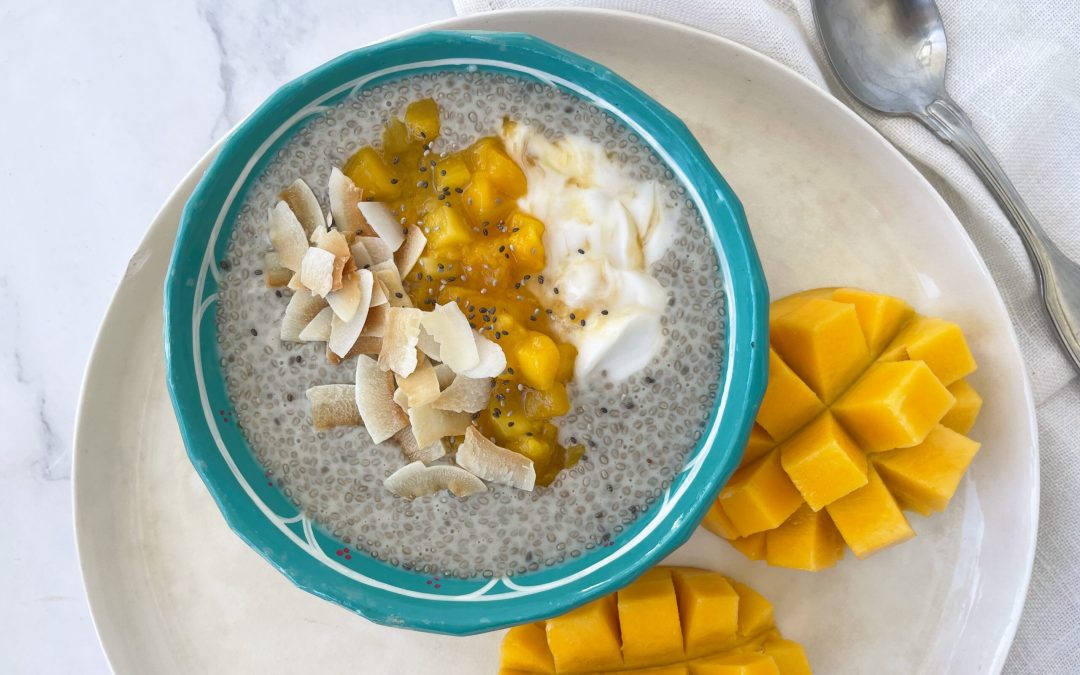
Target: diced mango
760	496
736	664
808	540
649	620
422	120
961	417
788	403
538	360
894	405
445	228
586	638
670	621
451	173
484	203
789	656
924	478
525	648
757	445
751	546
526	242
717	522
869	519
490	160
823	462
880	316
547	403
709	607
823	343
371	174
939	343
567	356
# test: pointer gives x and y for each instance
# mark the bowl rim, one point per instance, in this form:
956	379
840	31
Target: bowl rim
476	609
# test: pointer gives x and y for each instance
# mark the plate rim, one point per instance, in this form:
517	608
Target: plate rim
179	194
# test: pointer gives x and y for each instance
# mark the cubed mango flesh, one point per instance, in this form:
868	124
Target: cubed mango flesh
869	519
924	477
422	120
823	462
961	417
372	175
808	540
537	357
852	375
671	620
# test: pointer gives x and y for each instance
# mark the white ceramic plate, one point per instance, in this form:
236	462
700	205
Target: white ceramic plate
172	590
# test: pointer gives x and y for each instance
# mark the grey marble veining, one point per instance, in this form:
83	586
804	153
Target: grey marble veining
104	107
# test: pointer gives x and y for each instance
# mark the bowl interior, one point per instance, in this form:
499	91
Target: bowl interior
298	547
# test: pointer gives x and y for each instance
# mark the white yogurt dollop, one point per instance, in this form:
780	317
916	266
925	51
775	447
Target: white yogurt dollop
602	232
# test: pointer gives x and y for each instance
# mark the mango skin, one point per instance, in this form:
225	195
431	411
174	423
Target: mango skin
672	620
866	409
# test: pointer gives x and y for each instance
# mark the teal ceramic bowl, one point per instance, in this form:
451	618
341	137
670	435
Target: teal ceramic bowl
263	517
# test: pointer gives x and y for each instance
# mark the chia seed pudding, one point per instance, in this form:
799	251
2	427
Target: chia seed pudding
637	432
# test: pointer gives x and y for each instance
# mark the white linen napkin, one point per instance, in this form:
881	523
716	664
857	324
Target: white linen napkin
1015	68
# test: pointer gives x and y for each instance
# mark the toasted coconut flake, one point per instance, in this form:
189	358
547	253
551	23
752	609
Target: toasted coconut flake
317	271
343	334
344	195
414	453
464	394
304	205
445	374
450	329
378	294
484	459
377	250
346	300
302	308
376	322
334	405
295	284
429	424
422	386
374	400
387	273
287	236
406	256
360	254
381	219
276	276
364	345
416	480
402	399
427	344
492	359
319	328
399	340
334	242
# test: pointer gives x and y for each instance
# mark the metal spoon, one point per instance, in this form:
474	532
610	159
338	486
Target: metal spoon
890	54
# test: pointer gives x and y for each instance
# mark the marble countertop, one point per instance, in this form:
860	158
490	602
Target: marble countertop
106	106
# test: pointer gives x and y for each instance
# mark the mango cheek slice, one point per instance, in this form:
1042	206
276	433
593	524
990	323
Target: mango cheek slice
864	417
671	621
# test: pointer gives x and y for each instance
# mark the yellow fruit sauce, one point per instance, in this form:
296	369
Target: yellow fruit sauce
484	254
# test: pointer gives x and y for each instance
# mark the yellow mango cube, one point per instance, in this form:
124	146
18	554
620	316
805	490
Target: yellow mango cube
548	403
717	522
759	496
451	174
526	236
751	546
823	462
371	174
587	638
755	612
789	656
823	343
422	120
649	620
445	228
808	540
757	445
788	403
490	160
567	356
538	360
525	648
484	203
924	478
709	607
880	316
894	405
939	343
869	519
961	417
737	664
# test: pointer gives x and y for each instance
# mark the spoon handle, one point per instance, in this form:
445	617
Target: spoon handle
1059	277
